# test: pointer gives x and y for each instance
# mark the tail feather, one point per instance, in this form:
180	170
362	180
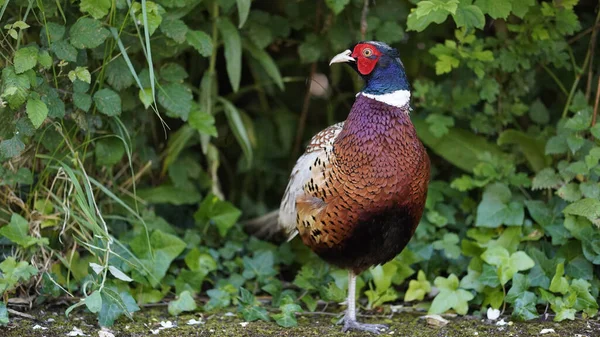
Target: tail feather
266	227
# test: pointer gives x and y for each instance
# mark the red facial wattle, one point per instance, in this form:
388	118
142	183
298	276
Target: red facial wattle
365	60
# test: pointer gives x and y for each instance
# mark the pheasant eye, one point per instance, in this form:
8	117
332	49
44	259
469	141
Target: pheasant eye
367	52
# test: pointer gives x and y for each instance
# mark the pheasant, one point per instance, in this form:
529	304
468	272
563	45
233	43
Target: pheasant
357	194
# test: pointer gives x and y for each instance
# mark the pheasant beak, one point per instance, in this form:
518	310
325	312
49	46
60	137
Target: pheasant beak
342	57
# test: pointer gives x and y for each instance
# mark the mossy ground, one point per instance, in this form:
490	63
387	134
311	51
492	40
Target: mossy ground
224	324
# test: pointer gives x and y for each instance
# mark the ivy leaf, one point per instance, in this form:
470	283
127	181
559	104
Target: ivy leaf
200	41
260	266
156	256
250	309
287	317
524	306
507	264
417	289
96	8
3	314
221	213
520	284
185	302
88	33
94	302
450	296
585	300
37	111
25	58
233	52
496	208
337	6
108	102
559	283
115	304
449	244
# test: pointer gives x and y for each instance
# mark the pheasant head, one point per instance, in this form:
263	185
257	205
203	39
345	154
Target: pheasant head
380	67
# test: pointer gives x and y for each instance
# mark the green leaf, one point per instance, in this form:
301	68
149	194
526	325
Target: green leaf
238	128
82	101
173	72
417	289
156	257
266	62
233	52
64	51
520	284
203	122
200	41
445	64
11	148
469	16
496	208
589	208
260	266
17	231
532	148
3	314
497	9
250	309
170	195
460	147
287	318
37	111
87	33
185	302
546	178
243	7
177	99
108	102
439	125
94	302
337	6
118	75
51	31
559	283
25	58
44	59
585	300
524	306
80	73
449	244
427	12
450	296
175	29
310	49
221	213
96	8
115	304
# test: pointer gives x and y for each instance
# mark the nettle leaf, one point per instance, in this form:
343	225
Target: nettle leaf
450	296
546	178
417	289
37	111
118	74
200	41
185	302
175	29
233	52
64	50
588	208
96	8
87	33
108	102
337	6
25	58
51	33
177	99
82	101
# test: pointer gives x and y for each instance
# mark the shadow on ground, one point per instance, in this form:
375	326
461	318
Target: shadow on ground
52	322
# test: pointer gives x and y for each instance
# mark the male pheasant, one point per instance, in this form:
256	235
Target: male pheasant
357	194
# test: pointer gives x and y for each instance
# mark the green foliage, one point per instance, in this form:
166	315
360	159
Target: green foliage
135	137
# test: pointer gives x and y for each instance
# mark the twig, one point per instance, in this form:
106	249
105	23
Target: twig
596	104
306	103
21	314
593	41
363	20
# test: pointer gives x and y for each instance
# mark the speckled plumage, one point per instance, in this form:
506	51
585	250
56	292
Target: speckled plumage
366	189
